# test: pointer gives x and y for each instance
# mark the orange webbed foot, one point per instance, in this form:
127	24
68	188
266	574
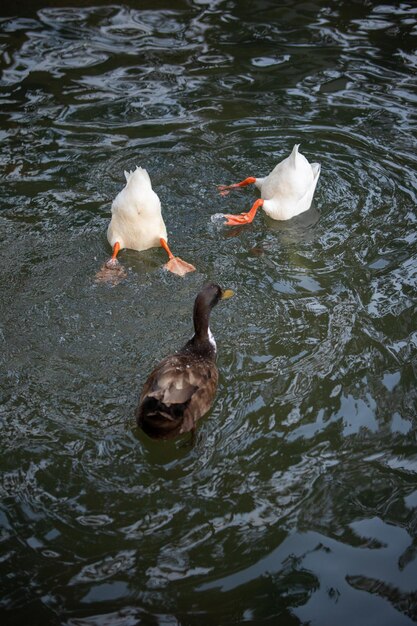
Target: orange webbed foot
238	220
224	190
178	266
175	264
112	272
244	218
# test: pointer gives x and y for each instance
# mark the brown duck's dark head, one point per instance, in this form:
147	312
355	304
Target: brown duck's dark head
207	298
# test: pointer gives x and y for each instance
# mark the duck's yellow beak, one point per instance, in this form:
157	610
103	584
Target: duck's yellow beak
227	293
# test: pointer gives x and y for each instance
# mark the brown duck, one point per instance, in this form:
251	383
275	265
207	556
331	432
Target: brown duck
182	387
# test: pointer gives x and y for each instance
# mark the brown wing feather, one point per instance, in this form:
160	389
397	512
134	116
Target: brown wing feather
178	392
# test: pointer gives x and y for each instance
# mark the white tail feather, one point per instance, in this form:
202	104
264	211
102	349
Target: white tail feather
138	174
294	153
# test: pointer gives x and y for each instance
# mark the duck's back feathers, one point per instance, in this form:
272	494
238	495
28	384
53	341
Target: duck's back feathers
288	190
290	178
177	393
137	195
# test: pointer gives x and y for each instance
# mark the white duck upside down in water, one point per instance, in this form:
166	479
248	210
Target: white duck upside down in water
286	192
137	224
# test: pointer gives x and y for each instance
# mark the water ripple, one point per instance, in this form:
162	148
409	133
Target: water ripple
306	464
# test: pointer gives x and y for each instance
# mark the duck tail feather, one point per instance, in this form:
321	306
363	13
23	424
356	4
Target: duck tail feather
139	173
294	152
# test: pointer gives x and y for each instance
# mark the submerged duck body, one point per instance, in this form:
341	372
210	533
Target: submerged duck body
136	221
137	224
286	192
182	387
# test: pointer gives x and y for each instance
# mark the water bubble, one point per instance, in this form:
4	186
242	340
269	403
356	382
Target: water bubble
218	219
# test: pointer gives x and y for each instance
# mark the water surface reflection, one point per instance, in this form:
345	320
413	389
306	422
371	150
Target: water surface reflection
297	502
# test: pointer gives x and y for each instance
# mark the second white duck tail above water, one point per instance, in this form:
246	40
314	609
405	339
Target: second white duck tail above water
286	192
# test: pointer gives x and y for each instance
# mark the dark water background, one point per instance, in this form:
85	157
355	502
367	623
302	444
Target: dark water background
297	503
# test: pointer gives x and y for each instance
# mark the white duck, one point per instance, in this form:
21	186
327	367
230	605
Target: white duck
137	223
286	192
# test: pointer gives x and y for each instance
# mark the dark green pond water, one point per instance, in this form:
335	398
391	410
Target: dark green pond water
297	502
